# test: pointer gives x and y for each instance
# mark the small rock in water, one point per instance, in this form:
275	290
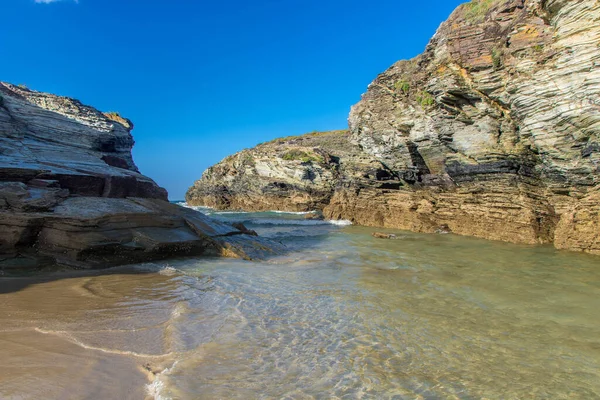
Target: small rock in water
443	229
315	215
242	228
381	235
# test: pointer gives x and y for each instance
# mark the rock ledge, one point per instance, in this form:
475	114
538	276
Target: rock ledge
71	194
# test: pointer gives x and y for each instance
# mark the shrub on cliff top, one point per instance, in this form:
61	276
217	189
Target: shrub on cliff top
283	140
115	116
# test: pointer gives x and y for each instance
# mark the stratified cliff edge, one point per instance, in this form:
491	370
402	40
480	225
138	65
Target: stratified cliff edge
492	132
71	194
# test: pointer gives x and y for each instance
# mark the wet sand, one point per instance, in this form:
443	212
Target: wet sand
83	335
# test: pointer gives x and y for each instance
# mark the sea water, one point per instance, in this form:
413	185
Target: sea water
341	315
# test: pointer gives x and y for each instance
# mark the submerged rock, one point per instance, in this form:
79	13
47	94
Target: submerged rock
242	228
493	132
381	235
71	194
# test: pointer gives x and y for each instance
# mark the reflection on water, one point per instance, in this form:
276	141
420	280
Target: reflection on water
344	316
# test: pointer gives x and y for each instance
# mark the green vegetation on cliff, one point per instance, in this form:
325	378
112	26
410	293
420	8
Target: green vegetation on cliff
476	10
299	155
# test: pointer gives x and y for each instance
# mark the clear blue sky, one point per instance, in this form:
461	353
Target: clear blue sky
204	79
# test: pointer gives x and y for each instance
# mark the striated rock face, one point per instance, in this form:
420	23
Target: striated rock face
494	131
70	193
499	119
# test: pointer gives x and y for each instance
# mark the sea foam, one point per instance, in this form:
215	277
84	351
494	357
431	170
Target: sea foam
300	222
266	221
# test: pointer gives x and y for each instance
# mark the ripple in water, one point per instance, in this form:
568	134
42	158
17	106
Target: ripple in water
343	315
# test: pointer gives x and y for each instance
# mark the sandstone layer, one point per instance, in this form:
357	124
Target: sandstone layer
492	132
71	194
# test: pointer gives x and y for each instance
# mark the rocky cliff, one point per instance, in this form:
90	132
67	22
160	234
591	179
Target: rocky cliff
71	194
298	173
492	132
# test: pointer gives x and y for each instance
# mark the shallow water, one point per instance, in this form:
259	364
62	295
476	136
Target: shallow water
343	315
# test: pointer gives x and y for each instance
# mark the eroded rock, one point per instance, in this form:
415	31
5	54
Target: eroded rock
71	194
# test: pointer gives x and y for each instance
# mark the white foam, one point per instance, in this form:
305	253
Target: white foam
197	208
268	221
299	222
162	269
228	212
340	222
157	386
291	212
69	337
209	210
212	210
168	271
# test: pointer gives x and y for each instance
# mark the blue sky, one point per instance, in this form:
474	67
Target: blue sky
204	79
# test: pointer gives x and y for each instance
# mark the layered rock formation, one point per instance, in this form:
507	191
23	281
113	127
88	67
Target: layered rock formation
492	132
297	173
71	194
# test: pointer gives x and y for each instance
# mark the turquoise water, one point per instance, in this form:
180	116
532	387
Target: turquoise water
342	315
